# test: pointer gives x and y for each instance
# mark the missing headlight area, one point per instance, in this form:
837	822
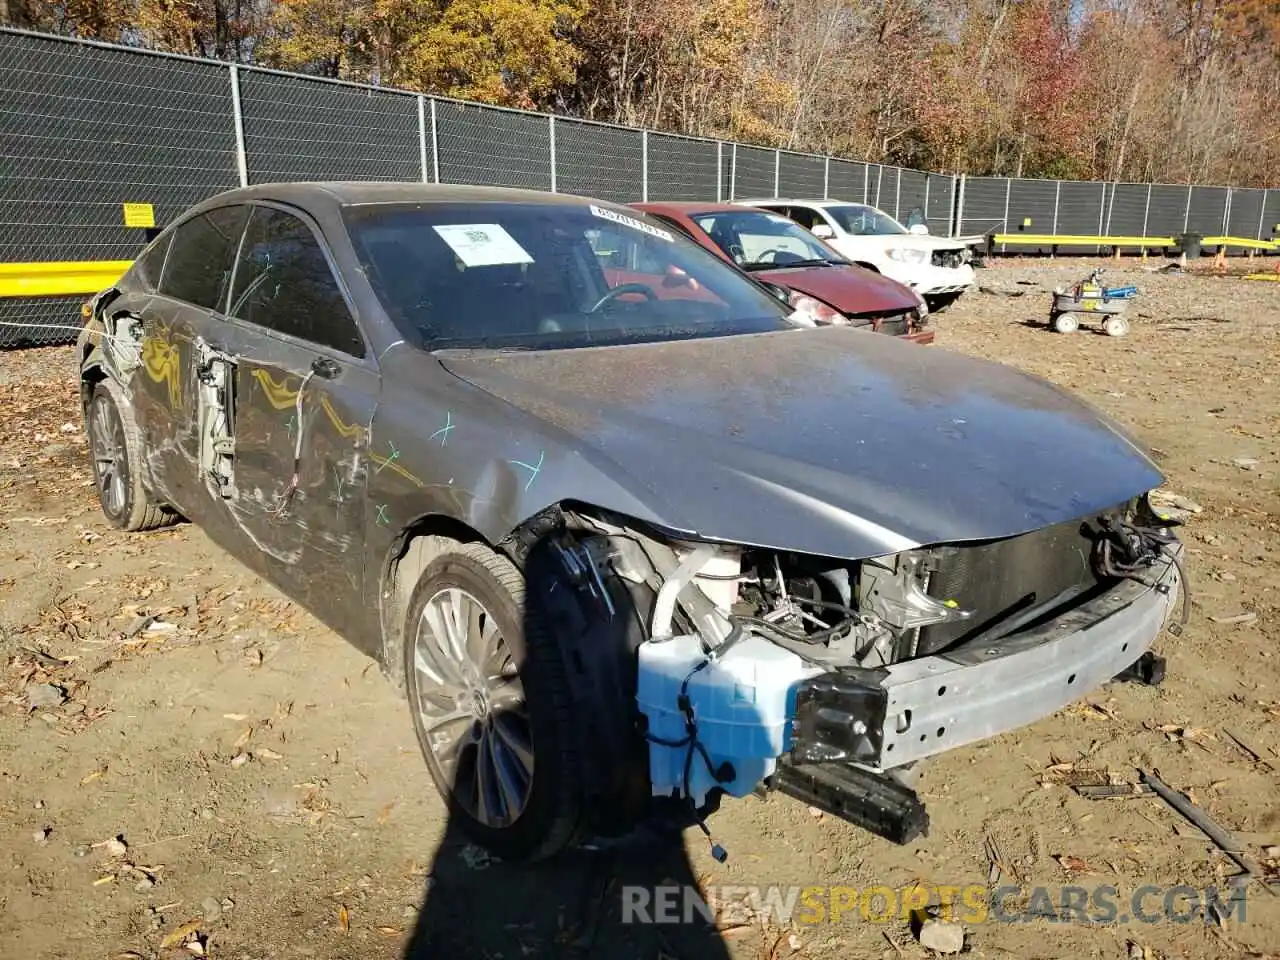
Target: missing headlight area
829	679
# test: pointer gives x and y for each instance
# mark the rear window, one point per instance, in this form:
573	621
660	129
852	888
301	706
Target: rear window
546	275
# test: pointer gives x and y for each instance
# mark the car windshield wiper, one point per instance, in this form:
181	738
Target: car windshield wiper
770	265
817	262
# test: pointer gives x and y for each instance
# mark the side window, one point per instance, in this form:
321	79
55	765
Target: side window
148	266
803	216
283	283
201	253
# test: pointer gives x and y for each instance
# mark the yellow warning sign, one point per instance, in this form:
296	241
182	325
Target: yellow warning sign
139	215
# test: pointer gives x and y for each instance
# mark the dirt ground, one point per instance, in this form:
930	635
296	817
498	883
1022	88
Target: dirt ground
225	777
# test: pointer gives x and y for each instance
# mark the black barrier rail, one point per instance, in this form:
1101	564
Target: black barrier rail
105	143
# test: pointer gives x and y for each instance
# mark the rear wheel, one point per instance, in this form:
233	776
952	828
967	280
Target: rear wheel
116	458
1066	323
491	706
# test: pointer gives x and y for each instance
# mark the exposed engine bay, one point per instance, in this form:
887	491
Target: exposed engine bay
830	679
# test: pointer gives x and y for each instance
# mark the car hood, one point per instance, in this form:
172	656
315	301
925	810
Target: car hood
851	290
908	241
828	441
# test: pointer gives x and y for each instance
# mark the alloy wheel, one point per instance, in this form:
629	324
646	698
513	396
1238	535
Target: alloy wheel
472	707
107	446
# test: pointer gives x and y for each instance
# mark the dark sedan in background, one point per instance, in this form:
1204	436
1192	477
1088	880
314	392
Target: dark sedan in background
821	282
626	529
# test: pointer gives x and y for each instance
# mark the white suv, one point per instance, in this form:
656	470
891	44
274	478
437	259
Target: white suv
935	267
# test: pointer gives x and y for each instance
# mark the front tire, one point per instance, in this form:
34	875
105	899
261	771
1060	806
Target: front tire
940	301
116	459
1115	326
491	706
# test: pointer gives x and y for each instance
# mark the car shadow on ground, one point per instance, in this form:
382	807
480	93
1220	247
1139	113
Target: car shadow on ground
580	904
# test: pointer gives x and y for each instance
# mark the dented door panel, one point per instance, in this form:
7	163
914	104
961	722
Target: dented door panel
305	518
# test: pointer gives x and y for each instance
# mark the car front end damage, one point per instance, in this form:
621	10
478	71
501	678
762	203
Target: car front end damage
830	680
929	280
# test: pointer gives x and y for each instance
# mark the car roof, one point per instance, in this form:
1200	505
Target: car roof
311	194
773	201
688	206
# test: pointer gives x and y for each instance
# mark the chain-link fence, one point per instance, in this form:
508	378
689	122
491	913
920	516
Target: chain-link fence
1044	208
86	127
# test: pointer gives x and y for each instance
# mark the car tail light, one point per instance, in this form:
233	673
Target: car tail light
809	310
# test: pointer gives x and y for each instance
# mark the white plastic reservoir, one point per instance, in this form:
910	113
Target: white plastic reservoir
742	704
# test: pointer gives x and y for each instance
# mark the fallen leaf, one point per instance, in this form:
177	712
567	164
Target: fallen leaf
390	931
179	934
266	753
96	775
344	919
235	716
242	739
109	878
239	760
1072	864
385	814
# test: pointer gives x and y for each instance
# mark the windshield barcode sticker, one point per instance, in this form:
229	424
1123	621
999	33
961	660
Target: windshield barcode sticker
482	244
631	222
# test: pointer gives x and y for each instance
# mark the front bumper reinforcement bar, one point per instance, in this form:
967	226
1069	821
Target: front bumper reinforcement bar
853	725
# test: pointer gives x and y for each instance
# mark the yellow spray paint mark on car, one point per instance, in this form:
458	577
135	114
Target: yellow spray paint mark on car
279	395
161	361
282	397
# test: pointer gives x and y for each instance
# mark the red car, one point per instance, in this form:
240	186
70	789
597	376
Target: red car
822	284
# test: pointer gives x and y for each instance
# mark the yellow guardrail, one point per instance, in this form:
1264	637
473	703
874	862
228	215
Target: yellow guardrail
1239	242
1074	240
1080	240
59	279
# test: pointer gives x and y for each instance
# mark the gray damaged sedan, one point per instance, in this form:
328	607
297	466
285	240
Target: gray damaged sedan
627	536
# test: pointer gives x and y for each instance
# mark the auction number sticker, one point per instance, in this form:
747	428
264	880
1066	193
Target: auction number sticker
631	222
482	244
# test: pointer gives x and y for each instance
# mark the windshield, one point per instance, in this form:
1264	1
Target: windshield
542	275
764	241
861	220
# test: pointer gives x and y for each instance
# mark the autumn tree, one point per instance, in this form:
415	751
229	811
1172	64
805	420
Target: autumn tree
1172	90
511	52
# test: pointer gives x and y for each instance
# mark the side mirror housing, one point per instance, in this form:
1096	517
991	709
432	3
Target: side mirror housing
823	231
919	229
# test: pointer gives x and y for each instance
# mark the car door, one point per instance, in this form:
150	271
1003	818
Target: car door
190	286
304	388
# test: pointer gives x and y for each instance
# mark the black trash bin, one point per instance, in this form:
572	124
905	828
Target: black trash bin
1190	244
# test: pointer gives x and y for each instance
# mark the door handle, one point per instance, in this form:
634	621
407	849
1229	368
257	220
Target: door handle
325	368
